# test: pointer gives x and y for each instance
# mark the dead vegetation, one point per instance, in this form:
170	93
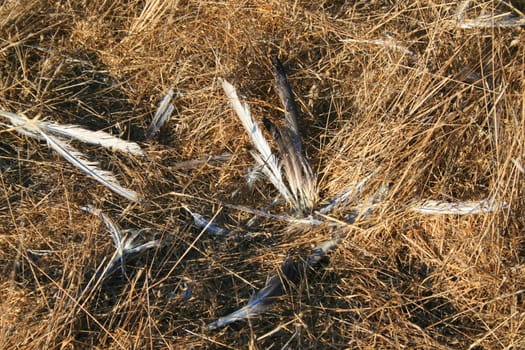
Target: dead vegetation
404	90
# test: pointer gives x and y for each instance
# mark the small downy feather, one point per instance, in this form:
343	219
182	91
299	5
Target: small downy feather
203	223
114	231
253	175
124	244
163	113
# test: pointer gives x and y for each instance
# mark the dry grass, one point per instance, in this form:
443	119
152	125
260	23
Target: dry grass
438	110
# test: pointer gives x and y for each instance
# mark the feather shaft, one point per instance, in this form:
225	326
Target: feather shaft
308	221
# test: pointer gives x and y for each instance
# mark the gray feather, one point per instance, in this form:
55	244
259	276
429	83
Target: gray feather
291	114
262	300
276	285
201	222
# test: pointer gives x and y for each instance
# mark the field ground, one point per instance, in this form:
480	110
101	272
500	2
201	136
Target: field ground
427	96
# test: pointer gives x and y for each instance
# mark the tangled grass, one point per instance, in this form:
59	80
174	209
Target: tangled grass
428	96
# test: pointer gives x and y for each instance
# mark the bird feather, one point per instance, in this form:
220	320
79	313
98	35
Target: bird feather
101	138
164	111
284	90
265	158
203	223
348	194
458	208
297	170
124	244
261	301
21	124
276	285
37	129
78	160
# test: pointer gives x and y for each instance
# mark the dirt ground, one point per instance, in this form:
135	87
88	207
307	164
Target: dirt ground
424	99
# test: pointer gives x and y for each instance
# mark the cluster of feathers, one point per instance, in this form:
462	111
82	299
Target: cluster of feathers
287	169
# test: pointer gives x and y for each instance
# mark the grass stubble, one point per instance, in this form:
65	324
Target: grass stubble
402	90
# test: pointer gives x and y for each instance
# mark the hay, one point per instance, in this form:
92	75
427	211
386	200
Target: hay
391	95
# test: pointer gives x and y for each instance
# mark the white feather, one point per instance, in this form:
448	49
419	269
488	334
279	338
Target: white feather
209	226
458	208
253	175
78	160
271	168
35	129
265	158
99	138
348	194
29	128
124	245
21	124
162	114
